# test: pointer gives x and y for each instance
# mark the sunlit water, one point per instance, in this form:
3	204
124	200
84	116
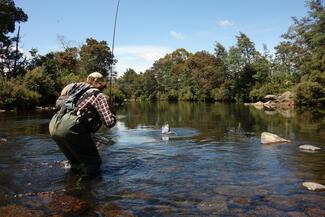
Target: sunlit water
211	165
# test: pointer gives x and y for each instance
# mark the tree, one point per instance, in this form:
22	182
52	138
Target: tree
11	59
128	83
38	81
96	56
67	61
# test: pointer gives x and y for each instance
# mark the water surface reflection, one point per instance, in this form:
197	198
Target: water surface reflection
213	166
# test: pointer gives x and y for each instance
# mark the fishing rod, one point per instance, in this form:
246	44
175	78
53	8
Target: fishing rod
111	66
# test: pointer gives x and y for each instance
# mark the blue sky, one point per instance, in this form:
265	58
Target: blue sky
148	29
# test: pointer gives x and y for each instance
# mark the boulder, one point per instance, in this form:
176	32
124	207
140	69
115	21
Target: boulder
286	96
313	186
309	148
271	97
259	105
270	105
269	138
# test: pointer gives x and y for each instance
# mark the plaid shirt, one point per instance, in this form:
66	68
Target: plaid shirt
100	103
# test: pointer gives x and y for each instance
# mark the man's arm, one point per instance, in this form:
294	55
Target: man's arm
101	104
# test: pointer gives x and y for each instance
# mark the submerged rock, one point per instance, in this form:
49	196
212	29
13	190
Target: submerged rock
67	205
313	186
296	214
18	210
262	211
270	138
309	148
112	210
314	211
215	205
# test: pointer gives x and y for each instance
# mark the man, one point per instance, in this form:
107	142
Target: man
83	108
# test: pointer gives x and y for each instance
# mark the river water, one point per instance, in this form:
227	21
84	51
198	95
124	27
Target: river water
212	164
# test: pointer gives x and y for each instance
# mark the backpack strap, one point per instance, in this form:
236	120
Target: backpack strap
77	92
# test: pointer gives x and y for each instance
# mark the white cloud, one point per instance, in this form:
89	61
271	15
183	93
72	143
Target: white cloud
177	35
225	23
138	57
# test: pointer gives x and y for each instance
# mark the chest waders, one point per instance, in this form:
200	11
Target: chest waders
72	133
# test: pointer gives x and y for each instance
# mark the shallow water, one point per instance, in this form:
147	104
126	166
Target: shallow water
212	165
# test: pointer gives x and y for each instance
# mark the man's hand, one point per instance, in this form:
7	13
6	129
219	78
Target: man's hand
113	121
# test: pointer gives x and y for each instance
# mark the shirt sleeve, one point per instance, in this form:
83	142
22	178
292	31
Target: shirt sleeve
101	104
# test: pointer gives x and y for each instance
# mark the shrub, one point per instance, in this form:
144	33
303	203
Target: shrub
15	95
310	93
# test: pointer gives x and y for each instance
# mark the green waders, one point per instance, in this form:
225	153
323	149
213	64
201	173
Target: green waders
75	141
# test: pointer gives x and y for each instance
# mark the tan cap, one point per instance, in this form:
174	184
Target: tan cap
96	75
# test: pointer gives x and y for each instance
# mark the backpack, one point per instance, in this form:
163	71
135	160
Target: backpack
71	95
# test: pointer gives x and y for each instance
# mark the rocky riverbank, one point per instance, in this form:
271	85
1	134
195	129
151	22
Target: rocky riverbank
275	102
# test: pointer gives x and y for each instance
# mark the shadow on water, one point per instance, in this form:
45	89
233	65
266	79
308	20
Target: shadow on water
213	165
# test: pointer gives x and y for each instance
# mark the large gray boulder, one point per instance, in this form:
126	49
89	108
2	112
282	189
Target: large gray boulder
270	138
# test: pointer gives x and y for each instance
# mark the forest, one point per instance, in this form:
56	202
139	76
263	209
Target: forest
239	73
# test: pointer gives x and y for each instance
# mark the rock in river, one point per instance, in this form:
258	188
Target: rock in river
313	186
309	148
268	138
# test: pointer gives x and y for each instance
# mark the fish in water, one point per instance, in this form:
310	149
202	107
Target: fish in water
165	129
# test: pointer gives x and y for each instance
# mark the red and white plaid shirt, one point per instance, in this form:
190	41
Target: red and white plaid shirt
100	103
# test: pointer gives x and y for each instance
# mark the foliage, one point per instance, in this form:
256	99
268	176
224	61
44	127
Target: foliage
38	81
12	61
96	56
238	73
15	95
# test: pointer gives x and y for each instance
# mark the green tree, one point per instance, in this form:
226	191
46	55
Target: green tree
13	61
128	83
96	56
38	81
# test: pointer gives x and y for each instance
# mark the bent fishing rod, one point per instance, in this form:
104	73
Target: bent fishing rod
113	43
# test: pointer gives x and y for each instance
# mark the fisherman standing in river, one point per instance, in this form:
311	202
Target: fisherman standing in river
83	109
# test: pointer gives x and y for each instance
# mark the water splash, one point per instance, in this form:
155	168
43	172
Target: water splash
165	129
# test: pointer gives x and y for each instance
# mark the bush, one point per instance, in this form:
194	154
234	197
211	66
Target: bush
310	93
15	95
37	80
117	95
221	94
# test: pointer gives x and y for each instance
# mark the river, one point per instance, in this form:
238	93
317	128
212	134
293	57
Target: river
212	164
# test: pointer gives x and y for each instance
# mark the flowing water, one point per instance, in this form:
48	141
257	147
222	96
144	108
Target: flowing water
211	164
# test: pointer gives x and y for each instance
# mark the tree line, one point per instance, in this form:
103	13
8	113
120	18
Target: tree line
240	73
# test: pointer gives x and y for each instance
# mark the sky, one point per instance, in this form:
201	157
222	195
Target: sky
149	29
